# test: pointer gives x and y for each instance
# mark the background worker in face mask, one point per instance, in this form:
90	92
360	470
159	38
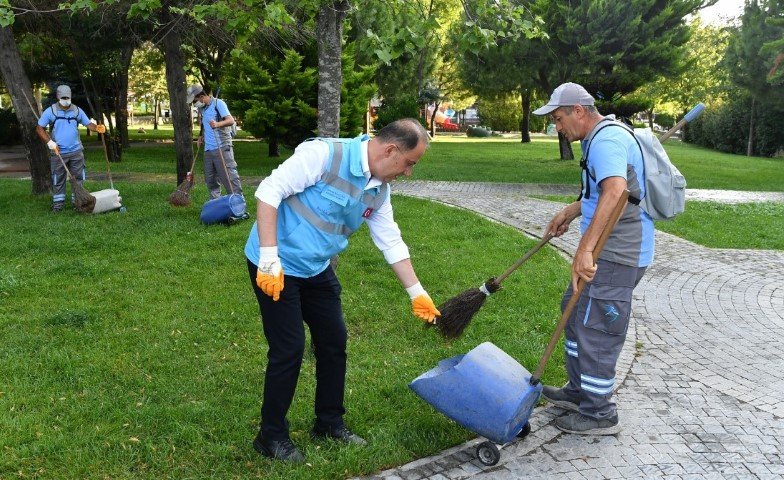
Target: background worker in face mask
63	119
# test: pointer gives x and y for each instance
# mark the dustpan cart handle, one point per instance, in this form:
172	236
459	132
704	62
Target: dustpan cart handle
606	231
693	114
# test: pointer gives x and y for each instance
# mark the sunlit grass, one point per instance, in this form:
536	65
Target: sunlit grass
132	345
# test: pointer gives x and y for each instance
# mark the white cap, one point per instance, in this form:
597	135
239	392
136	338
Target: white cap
566	95
63	91
192	91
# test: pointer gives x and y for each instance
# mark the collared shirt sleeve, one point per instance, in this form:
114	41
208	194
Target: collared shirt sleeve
222	108
46	118
83	118
608	156
386	234
297	173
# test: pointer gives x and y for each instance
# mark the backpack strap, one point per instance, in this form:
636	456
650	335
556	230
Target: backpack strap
584	160
586	185
72	108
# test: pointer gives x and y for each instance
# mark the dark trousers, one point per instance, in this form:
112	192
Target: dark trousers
316	302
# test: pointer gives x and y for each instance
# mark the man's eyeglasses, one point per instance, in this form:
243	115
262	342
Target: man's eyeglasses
65	98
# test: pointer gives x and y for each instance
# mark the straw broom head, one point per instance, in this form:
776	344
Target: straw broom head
457	312
181	197
83	200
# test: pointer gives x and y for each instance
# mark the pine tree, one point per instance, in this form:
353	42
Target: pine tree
748	64
276	98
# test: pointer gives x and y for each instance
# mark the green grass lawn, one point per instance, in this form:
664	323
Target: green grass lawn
716	225
509	161
492	160
132	345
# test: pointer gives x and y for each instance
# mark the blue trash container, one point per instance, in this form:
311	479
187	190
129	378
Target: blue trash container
485	391
220	209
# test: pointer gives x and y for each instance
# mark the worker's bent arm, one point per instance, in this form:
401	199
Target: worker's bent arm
42	133
583	265
404	271
267	223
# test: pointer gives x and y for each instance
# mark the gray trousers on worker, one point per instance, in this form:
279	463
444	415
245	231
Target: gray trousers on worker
214	172
75	163
595	334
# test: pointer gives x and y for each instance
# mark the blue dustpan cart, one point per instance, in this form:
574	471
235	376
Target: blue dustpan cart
223	209
485	391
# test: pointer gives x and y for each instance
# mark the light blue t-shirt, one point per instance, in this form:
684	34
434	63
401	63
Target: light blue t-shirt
613	152
216	110
66	126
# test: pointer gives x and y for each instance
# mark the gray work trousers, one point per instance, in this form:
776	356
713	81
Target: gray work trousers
214	172
75	163
595	334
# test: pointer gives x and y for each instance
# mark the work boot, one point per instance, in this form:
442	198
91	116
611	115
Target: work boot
283	450
340	433
581	425
559	398
57	207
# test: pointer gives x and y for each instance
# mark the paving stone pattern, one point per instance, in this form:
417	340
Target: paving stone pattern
701	379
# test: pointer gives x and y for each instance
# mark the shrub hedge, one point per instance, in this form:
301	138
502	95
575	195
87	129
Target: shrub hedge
726	128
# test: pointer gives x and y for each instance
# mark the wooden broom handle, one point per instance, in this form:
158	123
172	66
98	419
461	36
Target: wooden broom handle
606	231
223	161
525	257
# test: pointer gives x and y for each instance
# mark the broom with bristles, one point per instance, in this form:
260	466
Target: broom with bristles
181	197
83	201
457	312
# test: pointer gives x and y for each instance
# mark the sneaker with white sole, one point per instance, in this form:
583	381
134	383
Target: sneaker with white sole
581	425
559	398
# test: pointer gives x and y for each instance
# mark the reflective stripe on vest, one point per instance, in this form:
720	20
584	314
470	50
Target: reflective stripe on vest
331	178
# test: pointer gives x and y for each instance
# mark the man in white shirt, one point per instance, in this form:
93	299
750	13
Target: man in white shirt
307	209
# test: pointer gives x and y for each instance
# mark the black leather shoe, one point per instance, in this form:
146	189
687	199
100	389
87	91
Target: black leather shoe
341	434
283	450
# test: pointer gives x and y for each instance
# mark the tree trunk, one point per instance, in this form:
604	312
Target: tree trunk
565	147
366	126
525	124
650	119
433	119
121	109
180	111
21	93
156	115
750	144
273	148
329	31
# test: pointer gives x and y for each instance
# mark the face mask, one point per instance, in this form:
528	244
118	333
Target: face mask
65	103
199	104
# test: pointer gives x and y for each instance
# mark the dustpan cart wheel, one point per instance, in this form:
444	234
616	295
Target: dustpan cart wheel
525	431
488	453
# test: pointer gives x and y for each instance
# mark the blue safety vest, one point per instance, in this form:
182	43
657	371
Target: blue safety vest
315	224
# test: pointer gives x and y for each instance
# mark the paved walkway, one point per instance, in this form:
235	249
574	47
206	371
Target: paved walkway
701	378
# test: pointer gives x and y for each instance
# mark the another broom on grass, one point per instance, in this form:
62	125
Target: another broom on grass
181	197
457	312
83	201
